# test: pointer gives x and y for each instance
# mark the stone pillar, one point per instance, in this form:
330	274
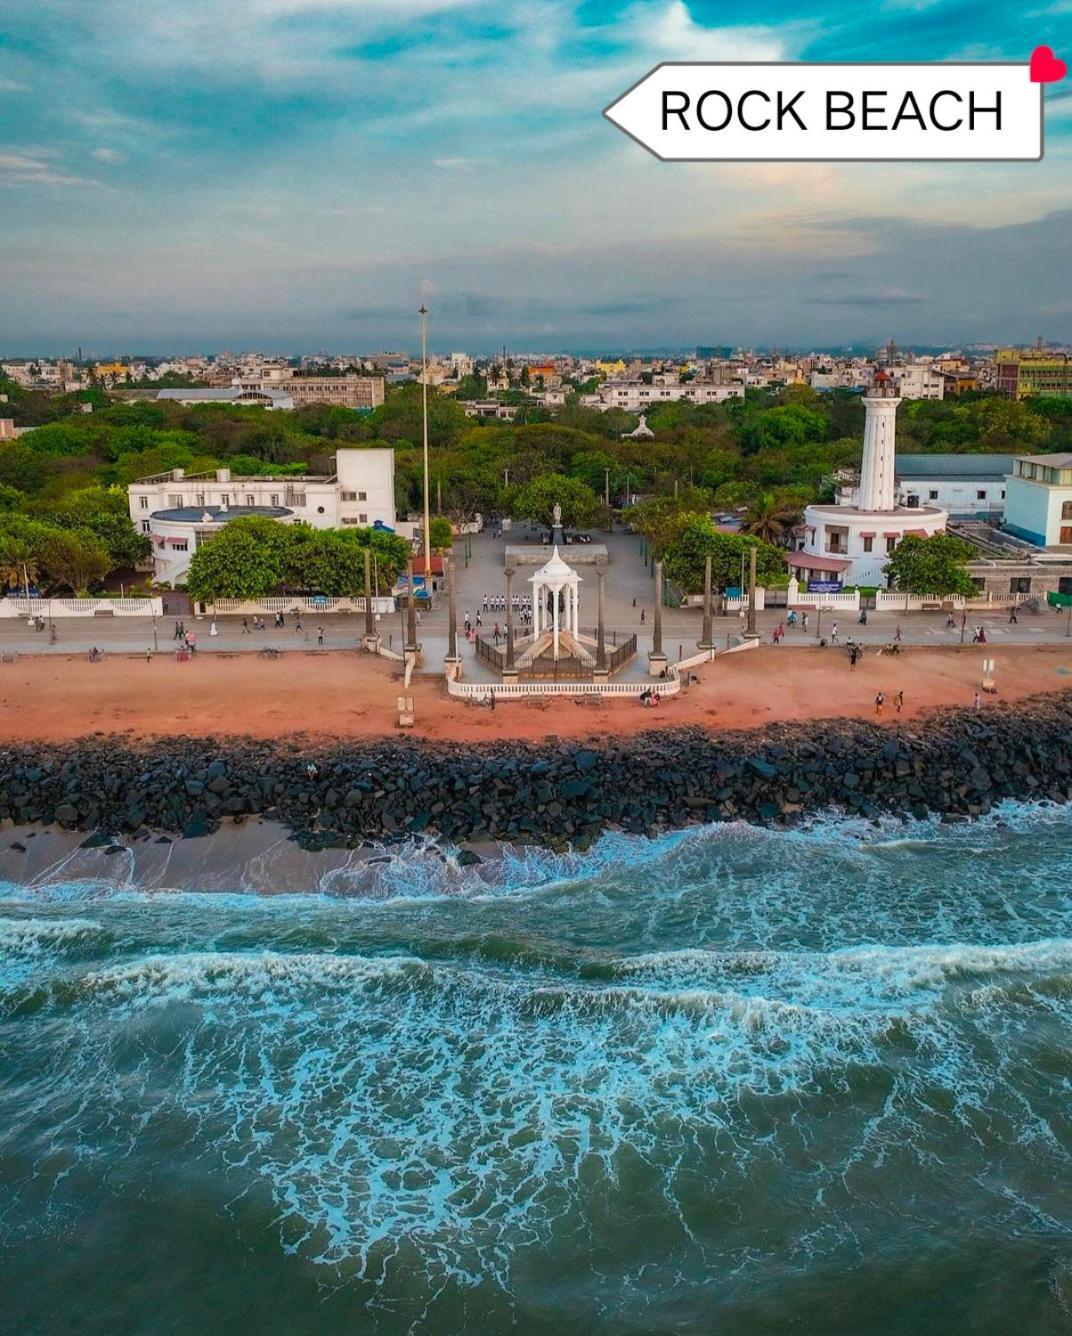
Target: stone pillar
510	671
372	639
554	621
411	646
452	616
657	659
752	633
601	669
706	636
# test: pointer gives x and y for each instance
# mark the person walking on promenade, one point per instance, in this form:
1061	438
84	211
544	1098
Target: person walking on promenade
880	701
214	630
950	622
467	620
898	702
297	624
641	616
897	635
178	631
1012	616
245	626
320	635
148	655
803	621
833	634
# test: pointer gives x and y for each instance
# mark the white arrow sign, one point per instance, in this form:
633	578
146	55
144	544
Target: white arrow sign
770	112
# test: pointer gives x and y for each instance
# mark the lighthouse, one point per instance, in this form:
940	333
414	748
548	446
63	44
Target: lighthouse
850	542
877	472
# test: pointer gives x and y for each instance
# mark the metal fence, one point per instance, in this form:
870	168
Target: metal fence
624	652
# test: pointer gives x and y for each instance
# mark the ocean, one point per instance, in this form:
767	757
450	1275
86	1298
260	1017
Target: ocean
729	1080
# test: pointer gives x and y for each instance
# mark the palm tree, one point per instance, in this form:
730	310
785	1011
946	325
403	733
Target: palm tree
771	520
18	565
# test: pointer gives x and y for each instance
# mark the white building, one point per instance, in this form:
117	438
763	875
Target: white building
918	380
850	544
180	511
965	486
634	395
1038	506
234	394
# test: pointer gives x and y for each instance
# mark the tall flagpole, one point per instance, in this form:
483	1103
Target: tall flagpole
423	313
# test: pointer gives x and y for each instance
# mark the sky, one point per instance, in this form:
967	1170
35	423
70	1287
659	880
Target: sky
190	175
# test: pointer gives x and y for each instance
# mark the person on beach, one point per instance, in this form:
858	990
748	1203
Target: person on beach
880	701
148	655
898	702
978	702
854	654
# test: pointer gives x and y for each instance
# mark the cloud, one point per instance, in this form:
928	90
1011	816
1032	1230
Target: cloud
11	86
454	164
108	155
35	169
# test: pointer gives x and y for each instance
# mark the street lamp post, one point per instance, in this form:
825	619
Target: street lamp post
423	313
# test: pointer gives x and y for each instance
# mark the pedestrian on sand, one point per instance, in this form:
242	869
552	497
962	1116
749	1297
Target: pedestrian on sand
880	701
833	634
1012	617
898	702
897	635
148	655
978	702
319	635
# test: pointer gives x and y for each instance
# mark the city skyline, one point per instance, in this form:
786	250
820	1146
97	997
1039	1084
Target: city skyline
307	175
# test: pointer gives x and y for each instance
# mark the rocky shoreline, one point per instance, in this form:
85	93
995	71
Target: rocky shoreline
956	765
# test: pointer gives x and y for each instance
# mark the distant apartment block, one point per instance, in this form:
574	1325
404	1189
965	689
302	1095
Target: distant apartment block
634	395
344	391
1024	373
180	511
1038	505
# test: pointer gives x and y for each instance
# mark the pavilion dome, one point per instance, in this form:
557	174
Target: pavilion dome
553	569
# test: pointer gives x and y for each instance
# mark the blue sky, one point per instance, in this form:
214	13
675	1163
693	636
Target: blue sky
187	174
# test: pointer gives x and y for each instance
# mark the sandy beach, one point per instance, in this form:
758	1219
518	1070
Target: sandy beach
338	695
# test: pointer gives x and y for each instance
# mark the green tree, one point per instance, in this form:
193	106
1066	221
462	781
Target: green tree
247	559
686	557
536	501
440	533
934	565
771	519
102	512
74	560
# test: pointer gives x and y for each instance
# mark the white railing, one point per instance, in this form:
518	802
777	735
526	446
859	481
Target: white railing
847	601
668	686
736	604
81	607
232	607
893	600
704	656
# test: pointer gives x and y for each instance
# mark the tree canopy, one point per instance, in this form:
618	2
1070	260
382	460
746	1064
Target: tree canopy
934	565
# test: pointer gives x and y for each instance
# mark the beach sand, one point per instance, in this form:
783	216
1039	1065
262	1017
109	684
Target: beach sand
339	695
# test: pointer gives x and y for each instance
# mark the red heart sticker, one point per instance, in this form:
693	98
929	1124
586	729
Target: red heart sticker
1045	66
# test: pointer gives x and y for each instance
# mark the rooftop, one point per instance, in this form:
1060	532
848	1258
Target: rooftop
970	468
1058	461
217	514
